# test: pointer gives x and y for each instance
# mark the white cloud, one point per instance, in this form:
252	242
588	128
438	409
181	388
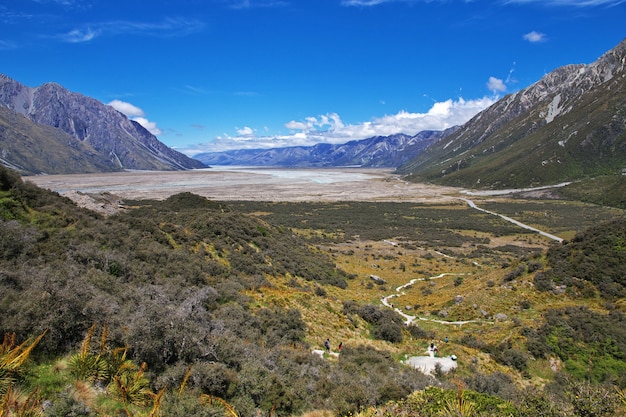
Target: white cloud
137	114
246	131
293	125
148	125
168	28
127	109
330	128
79	35
496	85
534	37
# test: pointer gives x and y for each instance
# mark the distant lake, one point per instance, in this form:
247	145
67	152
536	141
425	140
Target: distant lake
316	175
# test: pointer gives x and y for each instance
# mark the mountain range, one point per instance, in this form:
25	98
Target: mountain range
569	125
378	151
51	130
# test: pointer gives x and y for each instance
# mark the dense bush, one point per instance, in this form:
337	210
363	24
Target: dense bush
597	255
386	324
420	333
426	224
592	345
496	383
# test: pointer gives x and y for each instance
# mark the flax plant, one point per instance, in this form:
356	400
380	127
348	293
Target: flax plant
86	365
13	357
213	400
459	407
130	385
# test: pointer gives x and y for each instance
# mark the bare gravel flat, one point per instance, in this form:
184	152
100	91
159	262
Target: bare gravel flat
256	184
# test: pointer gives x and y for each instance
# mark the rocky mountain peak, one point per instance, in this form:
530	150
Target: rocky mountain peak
121	142
570	122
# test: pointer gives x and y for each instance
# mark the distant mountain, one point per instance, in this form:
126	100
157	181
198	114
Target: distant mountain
51	130
569	125
379	151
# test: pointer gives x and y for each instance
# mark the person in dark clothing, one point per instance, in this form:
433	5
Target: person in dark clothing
327	345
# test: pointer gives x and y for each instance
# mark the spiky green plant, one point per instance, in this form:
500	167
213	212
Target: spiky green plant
13	357
459	406
213	400
86	365
130	385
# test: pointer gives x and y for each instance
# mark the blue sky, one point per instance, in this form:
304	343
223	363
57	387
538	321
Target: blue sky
209	75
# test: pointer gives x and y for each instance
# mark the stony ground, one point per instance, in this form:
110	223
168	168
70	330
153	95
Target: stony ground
106	192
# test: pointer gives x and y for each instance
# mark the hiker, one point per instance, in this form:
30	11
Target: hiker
340	346
327	345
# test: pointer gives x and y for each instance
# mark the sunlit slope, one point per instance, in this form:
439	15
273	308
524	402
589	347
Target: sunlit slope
569	125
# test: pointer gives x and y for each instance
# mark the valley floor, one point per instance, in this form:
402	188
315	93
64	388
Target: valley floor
258	184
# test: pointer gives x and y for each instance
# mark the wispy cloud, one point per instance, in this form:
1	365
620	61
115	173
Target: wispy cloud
62	2
366	3
246	94
534	37
363	2
79	35
83	4
170	27
193	90
570	3
7	45
254	4
330	128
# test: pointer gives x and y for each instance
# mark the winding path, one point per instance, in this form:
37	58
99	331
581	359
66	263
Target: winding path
399	291
410	319
525	226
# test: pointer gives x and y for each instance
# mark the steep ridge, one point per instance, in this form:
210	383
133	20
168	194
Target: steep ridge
571	124
109	135
376	152
30	148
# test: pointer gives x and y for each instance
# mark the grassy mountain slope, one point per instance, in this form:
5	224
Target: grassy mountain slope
607	190
38	149
570	125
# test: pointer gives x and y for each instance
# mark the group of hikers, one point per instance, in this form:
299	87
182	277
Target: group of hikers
327	346
432	348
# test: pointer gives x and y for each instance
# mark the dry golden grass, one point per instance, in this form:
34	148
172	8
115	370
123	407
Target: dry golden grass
319	413
448	287
85	393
